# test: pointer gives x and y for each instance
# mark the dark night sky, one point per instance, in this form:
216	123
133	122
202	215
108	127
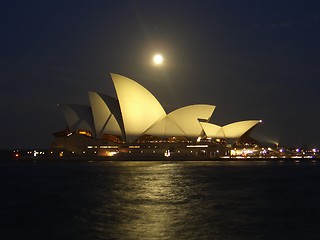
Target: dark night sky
252	59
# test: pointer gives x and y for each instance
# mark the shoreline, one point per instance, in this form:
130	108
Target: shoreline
158	159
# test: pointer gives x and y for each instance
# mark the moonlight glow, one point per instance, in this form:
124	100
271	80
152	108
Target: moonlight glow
157	59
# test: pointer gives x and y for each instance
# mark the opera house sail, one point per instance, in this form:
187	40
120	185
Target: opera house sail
135	122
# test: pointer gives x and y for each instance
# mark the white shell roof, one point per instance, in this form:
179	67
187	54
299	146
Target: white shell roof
139	108
212	130
78	117
237	129
187	118
182	122
105	111
165	128
137	112
232	130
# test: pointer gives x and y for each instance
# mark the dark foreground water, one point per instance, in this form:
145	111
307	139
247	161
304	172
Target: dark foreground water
159	200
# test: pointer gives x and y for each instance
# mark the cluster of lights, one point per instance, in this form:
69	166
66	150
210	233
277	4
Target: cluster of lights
197	146
264	152
16	153
35	153
90	147
113	146
134	146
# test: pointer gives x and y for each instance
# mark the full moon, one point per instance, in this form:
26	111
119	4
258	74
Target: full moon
157	59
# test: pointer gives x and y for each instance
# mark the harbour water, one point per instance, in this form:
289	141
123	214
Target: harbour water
160	200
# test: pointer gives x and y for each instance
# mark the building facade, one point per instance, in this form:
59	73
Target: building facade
136	124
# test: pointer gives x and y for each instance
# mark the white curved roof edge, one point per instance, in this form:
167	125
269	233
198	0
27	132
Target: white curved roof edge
105	110
237	129
183	121
232	130
139	108
187	118
212	130
203	111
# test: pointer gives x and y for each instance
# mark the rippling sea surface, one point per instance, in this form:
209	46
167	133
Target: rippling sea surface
159	200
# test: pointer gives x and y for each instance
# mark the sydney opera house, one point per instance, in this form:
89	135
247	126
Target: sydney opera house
135	125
